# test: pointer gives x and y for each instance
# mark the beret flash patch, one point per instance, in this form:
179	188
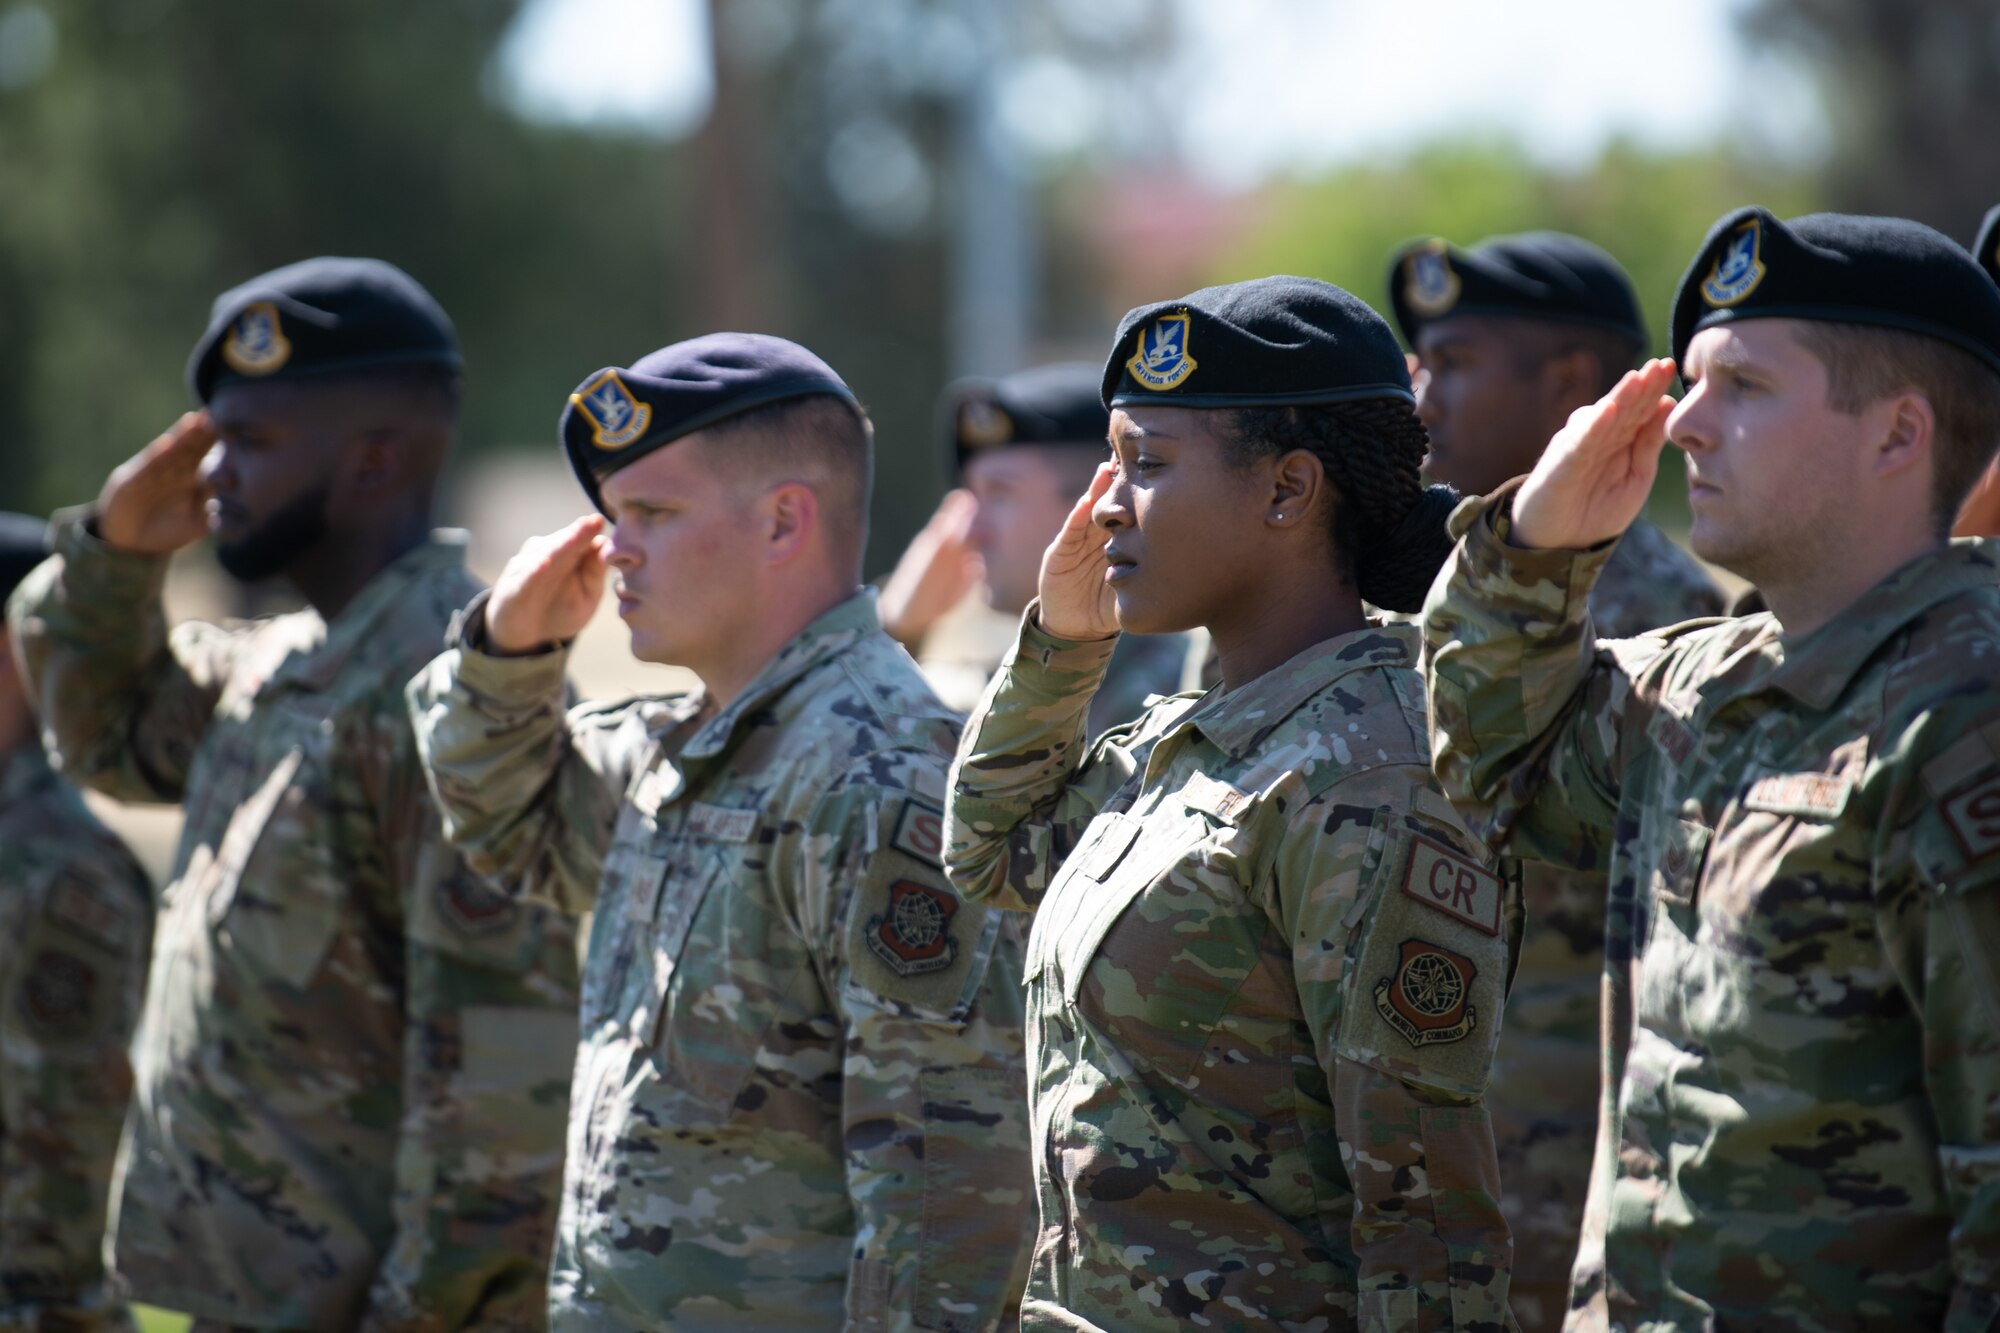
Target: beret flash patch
1738	269
616	417
914	936
1429	999
1162	361
981	425
1429	285
256	344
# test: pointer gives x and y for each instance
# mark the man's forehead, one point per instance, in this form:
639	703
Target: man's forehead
1743	343
1021	461
674	470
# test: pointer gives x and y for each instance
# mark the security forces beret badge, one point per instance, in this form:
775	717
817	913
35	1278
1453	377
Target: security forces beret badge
1738	269
1161	361
1429	284
914	936
616	417
1429	999
256	344
981	425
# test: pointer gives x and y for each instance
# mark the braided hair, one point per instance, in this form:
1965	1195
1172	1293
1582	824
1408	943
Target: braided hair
1388	529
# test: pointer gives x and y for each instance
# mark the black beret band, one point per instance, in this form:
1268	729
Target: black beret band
1885	272
618	415
320	317
1049	405
1541	275
1269	342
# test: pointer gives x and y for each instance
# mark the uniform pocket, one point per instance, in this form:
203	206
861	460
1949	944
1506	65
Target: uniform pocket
274	897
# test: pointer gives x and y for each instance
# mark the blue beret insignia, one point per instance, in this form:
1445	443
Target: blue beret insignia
983	424
1430	287
616	417
1739	268
256	344
1161	360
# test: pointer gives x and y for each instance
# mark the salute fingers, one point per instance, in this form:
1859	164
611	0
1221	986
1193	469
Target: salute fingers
1595	476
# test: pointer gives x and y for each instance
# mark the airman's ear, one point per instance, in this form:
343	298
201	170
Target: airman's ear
790	516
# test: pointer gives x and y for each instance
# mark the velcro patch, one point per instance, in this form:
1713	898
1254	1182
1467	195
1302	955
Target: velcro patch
84	908
1204	794
474	906
1974	816
721	823
1429	999
59	991
1440	878
1815	795
920	832
914	936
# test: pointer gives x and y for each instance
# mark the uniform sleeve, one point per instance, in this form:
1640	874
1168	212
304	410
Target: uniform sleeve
123	704
75	980
529	794
1400	949
933	1096
1526	712
1946	944
1026	781
489	1041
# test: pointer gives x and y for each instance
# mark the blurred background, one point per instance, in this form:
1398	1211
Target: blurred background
917	189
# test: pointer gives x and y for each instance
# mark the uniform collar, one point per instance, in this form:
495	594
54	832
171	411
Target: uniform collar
24	772
317	667
834	631
1816	669
1240	719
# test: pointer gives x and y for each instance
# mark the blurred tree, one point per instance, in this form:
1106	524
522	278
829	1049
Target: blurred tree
1913	91
163	150
1650	210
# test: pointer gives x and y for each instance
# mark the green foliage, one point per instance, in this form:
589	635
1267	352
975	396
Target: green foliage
1650	210
175	147
152	1320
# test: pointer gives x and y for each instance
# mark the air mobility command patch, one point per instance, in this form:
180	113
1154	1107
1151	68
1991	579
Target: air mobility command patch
59	993
1428	999
1738	269
913	936
1162	361
256	344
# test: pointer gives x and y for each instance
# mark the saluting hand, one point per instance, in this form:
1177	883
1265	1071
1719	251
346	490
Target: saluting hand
935	573
549	590
1076	601
1595	476
155	502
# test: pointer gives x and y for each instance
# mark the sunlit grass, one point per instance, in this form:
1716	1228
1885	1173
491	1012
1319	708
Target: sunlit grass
160	1321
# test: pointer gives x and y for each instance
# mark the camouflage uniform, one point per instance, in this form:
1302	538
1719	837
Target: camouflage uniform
1544	1092
1264	981
1801	1125
799	1098
1143	665
76	913
353	1068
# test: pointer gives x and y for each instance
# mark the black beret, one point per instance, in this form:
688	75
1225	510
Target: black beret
24	543
1544	275
1888	272
1263	343
318	316
618	416
1986	249
1055	404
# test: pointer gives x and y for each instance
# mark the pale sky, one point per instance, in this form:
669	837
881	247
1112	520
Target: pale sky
1275	86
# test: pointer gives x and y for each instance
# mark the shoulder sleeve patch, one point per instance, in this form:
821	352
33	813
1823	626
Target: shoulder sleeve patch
1428	999
1456	885
1974	819
920	832
59	994
84	908
911	943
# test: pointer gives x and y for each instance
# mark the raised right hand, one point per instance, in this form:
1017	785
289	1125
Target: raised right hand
155	502
1076	602
549	589
935	573
1594	478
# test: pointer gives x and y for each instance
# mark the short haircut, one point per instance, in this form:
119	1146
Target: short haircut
1615	351
824	443
1866	363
